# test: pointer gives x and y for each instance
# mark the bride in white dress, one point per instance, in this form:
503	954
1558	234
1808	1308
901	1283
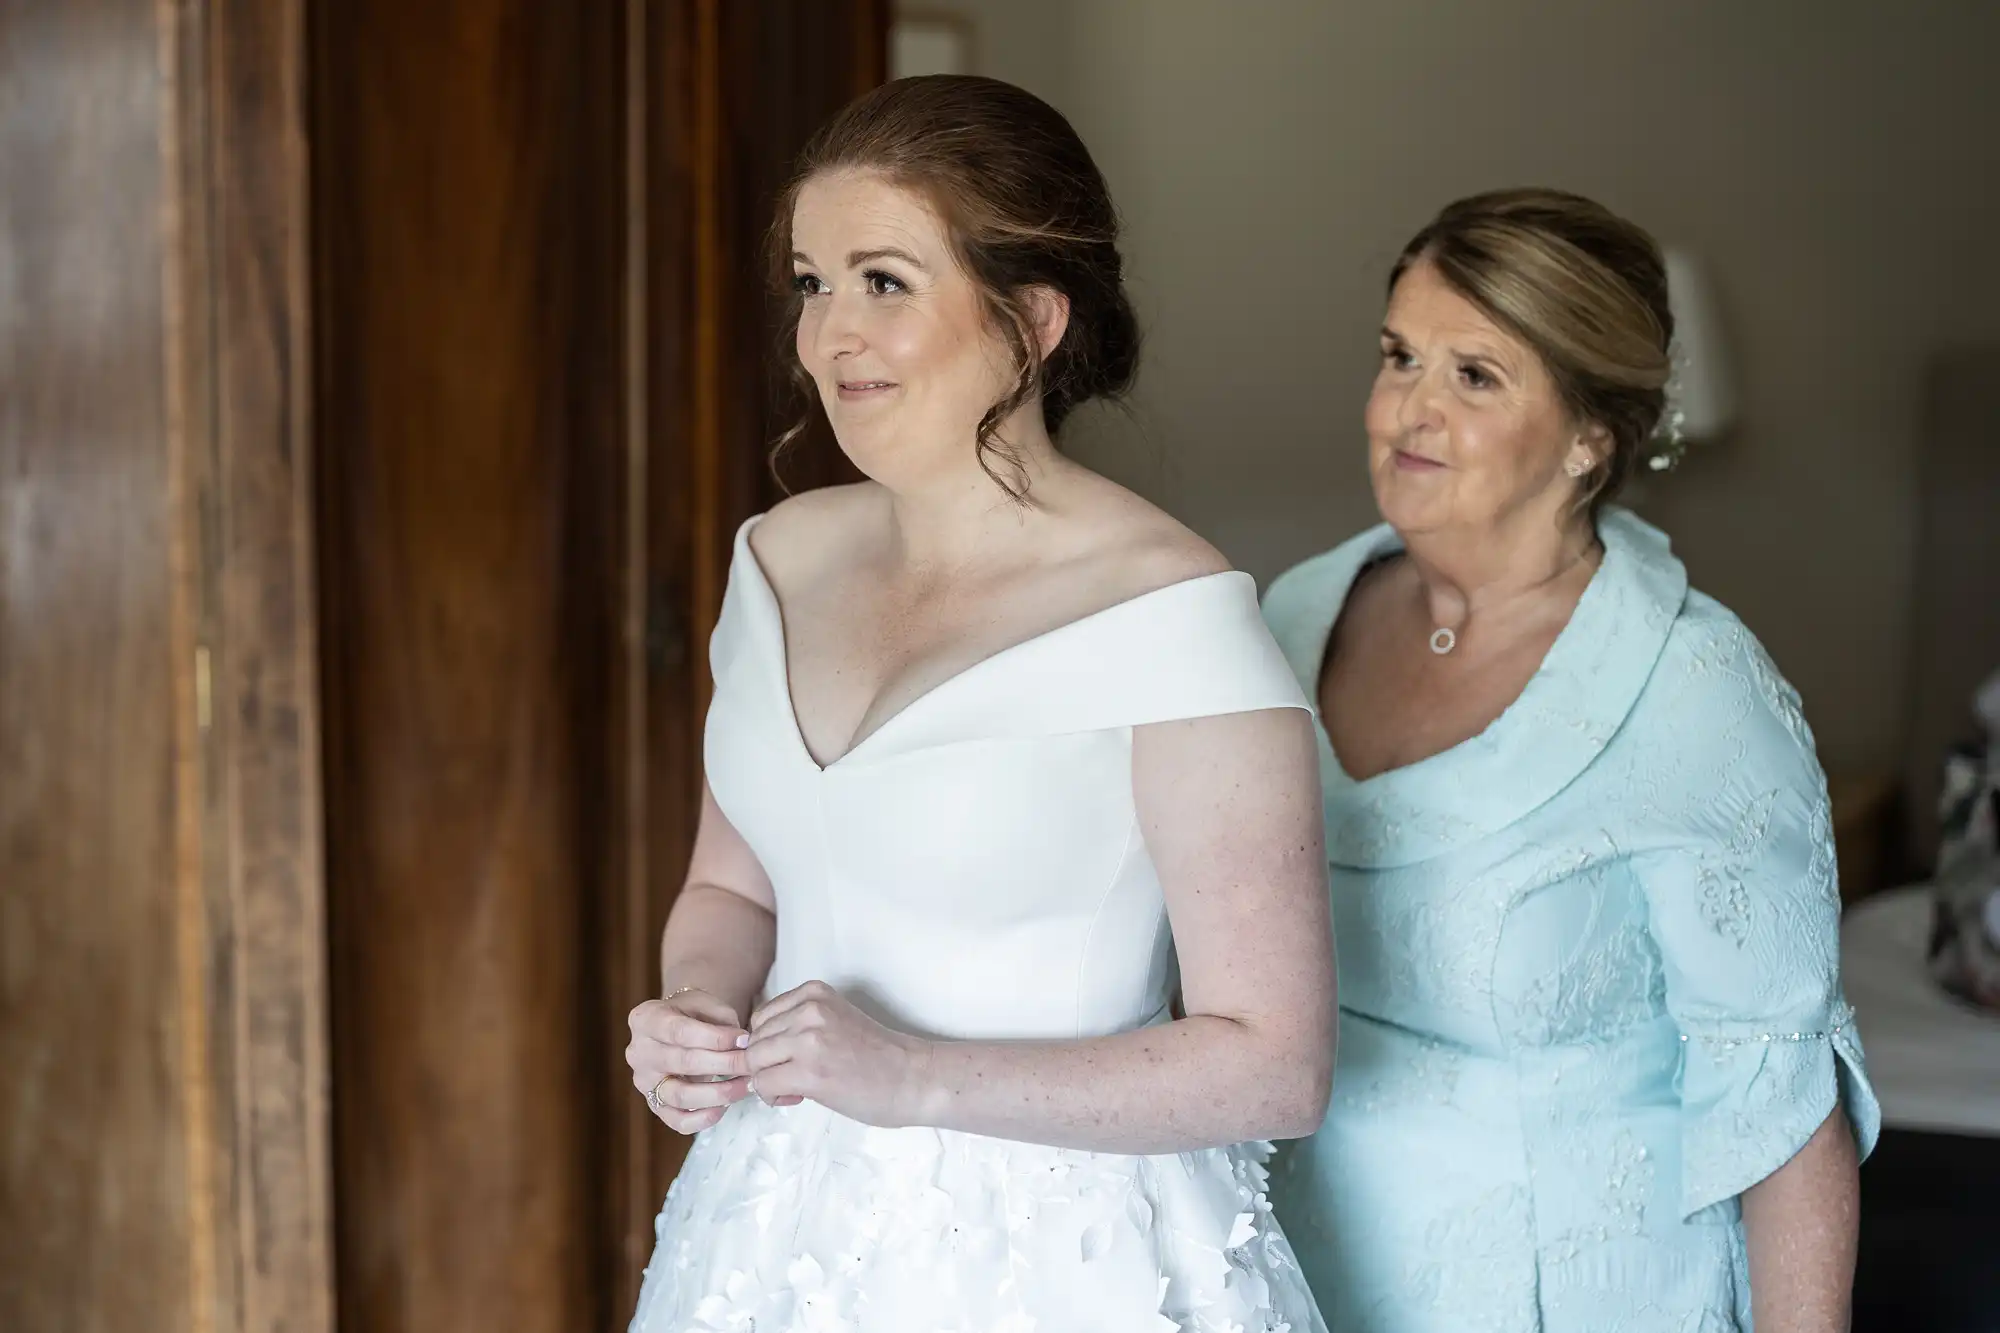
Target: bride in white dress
1000	763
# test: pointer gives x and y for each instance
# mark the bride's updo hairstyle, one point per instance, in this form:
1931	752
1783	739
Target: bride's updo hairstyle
1023	206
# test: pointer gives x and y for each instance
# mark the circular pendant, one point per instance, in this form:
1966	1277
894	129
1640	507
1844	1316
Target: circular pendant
1443	640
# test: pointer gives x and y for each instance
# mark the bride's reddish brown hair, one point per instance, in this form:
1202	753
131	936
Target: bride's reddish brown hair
1023	206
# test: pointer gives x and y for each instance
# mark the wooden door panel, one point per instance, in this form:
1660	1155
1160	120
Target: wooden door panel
161	1006
96	1028
468	206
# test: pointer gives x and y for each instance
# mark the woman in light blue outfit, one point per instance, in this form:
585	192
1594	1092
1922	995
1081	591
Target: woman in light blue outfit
1595	1070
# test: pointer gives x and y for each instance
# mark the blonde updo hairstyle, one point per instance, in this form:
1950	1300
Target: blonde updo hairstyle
1583	287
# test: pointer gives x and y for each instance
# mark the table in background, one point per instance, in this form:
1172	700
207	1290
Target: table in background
1930	1195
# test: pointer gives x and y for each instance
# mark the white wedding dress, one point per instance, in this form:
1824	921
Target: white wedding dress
973	869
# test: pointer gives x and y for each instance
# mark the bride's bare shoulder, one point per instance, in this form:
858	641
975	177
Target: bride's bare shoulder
1141	547
806	530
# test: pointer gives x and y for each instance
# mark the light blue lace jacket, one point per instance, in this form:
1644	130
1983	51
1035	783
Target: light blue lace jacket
1589	978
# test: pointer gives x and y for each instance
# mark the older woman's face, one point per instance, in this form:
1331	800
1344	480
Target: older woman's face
890	328
1465	427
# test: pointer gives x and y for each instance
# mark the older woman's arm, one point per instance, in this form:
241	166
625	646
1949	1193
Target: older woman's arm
1801	1223
1743	902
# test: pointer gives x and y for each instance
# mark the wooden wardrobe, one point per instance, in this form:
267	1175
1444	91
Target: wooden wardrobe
380	386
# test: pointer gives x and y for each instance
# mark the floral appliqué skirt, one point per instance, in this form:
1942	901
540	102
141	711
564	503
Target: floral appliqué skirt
798	1220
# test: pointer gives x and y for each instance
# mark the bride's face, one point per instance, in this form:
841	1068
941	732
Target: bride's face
890	329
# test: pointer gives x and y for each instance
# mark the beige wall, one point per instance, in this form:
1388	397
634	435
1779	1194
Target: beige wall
1833	164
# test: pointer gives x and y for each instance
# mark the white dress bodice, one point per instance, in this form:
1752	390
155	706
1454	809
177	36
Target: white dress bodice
974	867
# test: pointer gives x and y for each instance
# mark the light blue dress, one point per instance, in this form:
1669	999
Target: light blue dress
1589	977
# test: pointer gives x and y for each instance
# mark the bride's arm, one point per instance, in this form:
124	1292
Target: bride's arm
714	956
1230	809
723	929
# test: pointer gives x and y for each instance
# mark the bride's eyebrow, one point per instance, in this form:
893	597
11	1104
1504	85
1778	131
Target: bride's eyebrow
857	258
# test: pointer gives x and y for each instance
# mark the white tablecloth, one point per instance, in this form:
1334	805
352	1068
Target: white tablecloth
1935	1062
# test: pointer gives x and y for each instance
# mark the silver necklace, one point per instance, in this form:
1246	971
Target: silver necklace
1444	638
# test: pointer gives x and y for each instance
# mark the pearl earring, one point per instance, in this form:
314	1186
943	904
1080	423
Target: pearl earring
1577	467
